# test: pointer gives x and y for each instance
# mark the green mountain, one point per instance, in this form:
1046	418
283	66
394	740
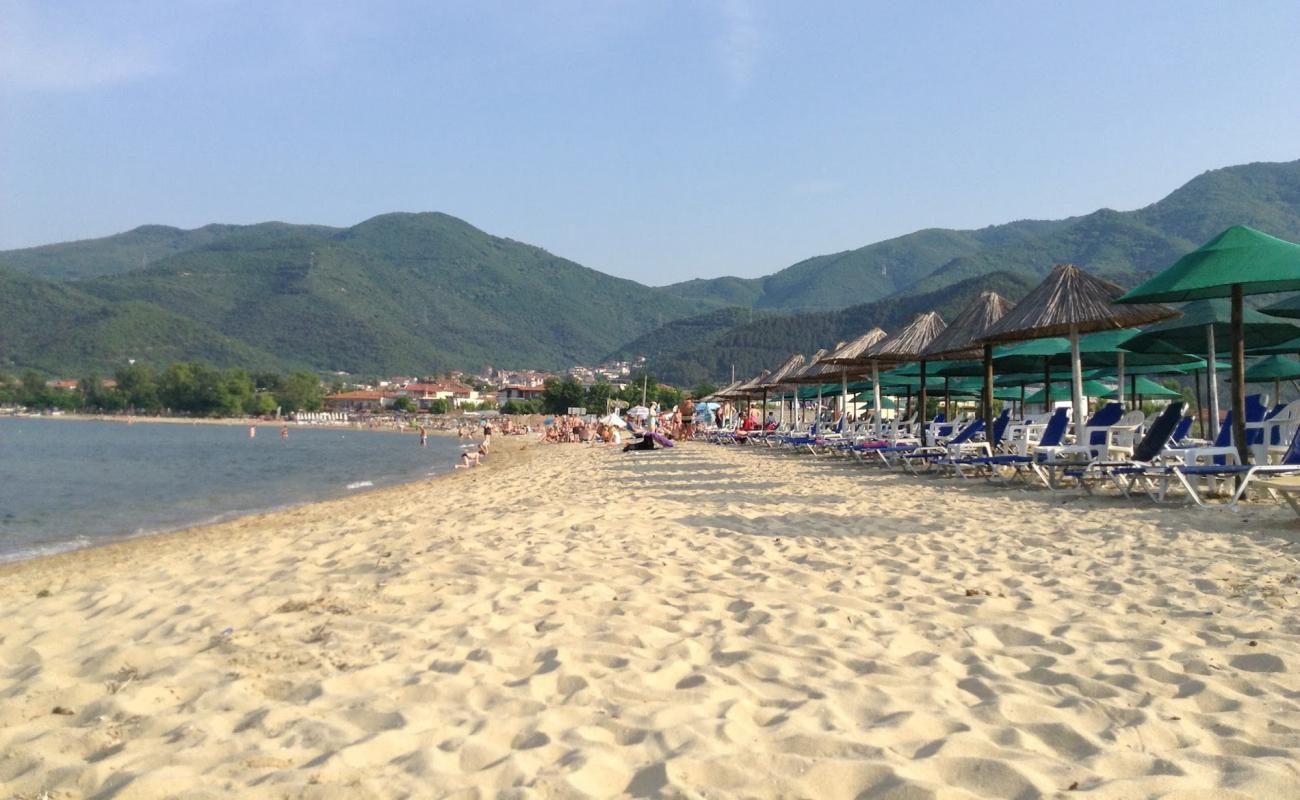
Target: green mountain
60	329
135	249
424	292
1119	245
397	293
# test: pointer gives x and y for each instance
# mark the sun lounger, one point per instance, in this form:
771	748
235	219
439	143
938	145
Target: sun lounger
1288	486
1123	472
922	457
1159	478
1016	466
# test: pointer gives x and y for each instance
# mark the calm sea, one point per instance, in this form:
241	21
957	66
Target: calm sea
66	484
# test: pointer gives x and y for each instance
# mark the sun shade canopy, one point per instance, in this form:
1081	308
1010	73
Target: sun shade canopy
1071	299
1242	256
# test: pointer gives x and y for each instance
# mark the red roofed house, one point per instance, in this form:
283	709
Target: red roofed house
359	400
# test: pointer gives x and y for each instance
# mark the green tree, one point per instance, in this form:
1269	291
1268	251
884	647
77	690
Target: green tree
239	396
138	387
561	394
267	381
178	388
263	405
404	404
300	391
440	405
522	407
598	394
703	390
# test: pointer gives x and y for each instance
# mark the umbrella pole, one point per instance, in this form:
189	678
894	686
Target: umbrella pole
1133	381
875	388
844	396
1119	360
1238	376
1212	383
924	413
986	396
947	401
1200	402
1277	391
1047	386
1022	400
1076	382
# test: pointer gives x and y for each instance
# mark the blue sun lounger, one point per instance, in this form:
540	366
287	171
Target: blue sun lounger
1023	466
1157	479
1125	471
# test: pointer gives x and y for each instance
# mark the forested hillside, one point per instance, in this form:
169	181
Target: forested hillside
428	292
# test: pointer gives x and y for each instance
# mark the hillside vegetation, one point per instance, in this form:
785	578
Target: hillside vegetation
397	293
1123	246
428	292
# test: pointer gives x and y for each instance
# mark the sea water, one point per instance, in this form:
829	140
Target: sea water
66	484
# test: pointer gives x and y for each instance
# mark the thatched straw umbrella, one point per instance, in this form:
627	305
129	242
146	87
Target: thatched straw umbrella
959	342
722	394
800	377
847	354
752	387
906	345
815	372
1067	303
777	379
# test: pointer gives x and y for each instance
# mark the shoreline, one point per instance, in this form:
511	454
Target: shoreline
499	458
226	421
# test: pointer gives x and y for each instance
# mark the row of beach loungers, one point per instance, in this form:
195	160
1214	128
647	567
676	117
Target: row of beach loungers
1124	450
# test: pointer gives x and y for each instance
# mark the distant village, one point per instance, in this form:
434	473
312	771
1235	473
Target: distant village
490	388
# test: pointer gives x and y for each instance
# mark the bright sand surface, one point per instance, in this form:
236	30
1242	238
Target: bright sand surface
700	622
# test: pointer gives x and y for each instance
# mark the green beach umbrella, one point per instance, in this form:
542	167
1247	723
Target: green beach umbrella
1091	388
1275	369
1145	387
1237	262
870	400
1290	307
1203	323
1285	348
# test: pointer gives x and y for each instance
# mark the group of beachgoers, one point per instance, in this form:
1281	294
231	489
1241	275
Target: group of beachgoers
567	429
677	422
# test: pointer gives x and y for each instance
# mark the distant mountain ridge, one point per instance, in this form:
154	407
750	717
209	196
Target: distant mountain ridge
423	292
397	293
1119	245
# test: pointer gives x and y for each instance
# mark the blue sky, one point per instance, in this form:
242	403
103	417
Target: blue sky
653	140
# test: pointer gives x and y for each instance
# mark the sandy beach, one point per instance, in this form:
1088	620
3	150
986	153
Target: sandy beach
701	622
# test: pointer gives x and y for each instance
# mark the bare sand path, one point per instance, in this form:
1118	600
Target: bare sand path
700	622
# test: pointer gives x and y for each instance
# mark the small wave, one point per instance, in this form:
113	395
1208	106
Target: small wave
360	484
